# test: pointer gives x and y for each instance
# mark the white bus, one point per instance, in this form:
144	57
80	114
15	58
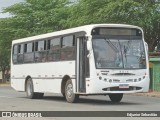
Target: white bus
98	59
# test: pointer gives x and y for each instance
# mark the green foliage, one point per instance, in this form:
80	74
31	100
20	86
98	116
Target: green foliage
143	13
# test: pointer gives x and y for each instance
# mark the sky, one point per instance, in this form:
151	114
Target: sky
6	3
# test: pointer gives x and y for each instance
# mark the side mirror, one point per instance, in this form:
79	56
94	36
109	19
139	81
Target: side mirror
146	46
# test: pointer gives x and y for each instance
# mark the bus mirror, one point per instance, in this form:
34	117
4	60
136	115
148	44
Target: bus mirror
89	46
146	46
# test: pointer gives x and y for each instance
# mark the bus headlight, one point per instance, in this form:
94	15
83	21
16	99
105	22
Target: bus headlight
110	80
105	79
100	78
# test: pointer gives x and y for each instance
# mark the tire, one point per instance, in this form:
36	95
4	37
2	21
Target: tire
64	95
69	94
116	98
30	90
40	95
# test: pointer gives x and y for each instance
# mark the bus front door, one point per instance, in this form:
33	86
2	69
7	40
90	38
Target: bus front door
81	64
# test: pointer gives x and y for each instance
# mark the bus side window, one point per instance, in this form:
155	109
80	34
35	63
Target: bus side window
68	48
25	48
29	52
54	49
20	54
48	44
40	51
15	50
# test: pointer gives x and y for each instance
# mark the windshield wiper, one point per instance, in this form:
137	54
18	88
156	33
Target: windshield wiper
111	45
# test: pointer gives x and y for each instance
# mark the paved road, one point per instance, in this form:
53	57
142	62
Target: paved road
11	100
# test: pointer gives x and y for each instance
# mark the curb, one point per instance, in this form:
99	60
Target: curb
4	84
149	94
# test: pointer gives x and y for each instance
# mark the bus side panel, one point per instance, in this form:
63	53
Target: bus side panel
47	86
17	80
18	84
53	85
46	77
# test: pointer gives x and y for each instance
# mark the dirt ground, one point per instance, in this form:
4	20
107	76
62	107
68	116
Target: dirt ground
150	94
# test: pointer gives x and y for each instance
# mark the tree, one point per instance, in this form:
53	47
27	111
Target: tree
143	13
4	50
39	16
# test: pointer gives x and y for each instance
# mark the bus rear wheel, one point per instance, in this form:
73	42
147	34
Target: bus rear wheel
116	97
30	91
70	96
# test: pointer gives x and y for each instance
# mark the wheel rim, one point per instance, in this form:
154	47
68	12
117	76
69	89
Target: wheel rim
69	90
29	89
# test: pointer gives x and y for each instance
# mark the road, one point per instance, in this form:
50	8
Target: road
11	100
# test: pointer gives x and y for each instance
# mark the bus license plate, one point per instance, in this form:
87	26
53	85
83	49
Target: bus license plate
124	86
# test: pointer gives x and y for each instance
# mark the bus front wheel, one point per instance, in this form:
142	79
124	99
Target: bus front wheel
70	96
116	97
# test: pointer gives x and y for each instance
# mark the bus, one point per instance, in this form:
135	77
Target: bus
97	59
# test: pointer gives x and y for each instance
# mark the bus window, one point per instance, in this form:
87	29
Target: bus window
48	44
40	54
29	47
28	52
41	45
15	54
54	51
67	42
55	43
68	48
20	54
15	49
36	46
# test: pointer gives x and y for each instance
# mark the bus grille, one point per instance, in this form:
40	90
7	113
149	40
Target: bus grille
123	74
121	89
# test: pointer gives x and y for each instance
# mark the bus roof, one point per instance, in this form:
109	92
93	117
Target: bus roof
86	28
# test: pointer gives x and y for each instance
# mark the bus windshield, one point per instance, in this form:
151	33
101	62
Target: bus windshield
119	53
